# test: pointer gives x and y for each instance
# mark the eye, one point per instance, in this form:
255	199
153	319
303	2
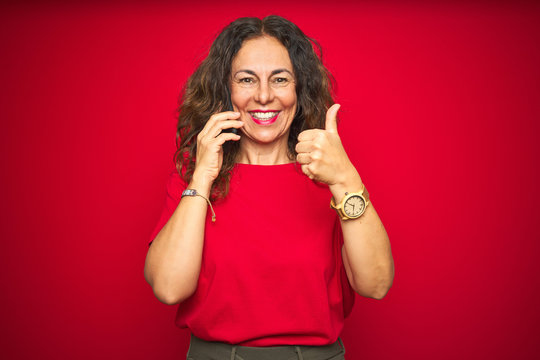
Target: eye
246	80
280	81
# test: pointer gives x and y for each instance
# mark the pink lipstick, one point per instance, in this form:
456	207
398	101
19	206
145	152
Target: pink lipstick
264	117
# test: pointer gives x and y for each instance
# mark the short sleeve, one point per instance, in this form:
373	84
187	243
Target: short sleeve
175	186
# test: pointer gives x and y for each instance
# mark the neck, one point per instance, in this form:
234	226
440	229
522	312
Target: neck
274	153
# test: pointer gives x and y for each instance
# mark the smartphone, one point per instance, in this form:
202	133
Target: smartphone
229	107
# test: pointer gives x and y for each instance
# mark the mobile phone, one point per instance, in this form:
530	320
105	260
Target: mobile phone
229	107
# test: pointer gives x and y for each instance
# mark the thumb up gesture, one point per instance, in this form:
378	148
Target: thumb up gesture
322	155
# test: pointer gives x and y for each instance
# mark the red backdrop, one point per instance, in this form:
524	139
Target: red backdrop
440	113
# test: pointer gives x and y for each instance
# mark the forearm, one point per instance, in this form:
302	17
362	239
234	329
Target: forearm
366	250
173	261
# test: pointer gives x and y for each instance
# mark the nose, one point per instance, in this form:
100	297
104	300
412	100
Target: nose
264	93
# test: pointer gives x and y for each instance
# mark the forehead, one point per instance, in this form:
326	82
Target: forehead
262	54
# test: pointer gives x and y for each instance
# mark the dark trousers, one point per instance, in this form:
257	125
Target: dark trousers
210	350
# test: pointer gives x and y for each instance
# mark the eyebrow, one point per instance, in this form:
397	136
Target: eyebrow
274	72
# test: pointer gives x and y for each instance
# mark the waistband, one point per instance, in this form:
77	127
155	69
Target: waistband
199	348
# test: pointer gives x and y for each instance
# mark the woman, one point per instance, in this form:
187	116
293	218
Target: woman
271	270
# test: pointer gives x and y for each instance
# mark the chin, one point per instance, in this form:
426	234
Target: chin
264	136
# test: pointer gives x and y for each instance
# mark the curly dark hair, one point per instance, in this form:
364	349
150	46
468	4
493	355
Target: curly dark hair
207	91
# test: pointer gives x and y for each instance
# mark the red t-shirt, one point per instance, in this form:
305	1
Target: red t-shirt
272	272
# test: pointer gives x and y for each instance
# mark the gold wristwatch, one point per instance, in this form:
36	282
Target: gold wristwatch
353	205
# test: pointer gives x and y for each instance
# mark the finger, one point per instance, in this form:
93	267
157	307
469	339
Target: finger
303	158
304	147
220	140
226	115
331	118
222	125
308	135
306	171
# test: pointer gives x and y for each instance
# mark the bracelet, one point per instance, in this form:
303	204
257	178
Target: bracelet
193	192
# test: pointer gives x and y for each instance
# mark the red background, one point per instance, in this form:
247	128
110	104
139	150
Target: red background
440	112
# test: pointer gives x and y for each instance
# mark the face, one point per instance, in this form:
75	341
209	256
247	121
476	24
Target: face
263	90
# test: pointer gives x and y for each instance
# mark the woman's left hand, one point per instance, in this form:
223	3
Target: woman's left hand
321	153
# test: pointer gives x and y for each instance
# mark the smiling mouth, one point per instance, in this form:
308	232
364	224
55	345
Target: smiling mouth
264	117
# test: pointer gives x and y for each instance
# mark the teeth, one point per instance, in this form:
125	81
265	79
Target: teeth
264	115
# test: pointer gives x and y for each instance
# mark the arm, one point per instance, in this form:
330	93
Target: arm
173	261
366	251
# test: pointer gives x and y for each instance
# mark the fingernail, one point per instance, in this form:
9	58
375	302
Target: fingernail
236	113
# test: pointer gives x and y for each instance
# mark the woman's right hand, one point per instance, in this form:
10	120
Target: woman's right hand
173	262
210	142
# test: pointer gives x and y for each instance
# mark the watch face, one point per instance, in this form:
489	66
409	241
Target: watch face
354	206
